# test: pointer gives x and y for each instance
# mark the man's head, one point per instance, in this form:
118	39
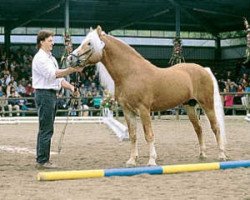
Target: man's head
45	40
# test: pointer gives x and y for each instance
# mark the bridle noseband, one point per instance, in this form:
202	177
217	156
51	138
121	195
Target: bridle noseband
79	61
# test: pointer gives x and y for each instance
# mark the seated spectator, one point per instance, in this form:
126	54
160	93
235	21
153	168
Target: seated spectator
84	102
247	88
73	106
23	106
85	110
13	103
89	96
9	88
13	65
244	83
246	98
228	99
14	93
3	105
237	97
245	77
83	90
12	79
6	69
21	89
29	90
61	104
92	86
221	84
232	85
5	81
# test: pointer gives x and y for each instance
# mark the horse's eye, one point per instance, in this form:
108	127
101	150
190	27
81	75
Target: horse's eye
89	43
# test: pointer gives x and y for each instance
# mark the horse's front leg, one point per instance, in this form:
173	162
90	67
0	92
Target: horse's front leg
149	135
132	124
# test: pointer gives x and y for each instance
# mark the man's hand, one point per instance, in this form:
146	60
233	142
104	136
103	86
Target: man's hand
76	93
65	72
77	69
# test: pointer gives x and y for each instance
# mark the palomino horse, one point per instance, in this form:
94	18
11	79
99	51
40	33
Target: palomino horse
141	87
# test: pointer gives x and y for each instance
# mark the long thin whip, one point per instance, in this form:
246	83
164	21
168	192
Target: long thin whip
72	102
68	49
65	126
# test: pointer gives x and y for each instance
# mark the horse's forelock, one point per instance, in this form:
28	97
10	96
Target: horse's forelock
95	40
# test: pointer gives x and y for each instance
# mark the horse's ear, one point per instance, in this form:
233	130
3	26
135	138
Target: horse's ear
90	29
99	30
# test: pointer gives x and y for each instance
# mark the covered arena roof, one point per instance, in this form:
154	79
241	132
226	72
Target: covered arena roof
207	15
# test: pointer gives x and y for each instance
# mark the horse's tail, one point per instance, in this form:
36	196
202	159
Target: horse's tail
218	106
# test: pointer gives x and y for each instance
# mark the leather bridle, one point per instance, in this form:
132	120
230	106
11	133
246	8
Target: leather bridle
82	62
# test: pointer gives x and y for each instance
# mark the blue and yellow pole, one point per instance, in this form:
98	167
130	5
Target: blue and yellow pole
167	169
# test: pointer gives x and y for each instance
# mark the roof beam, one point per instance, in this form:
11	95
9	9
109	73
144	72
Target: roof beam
25	20
141	18
209	28
215	12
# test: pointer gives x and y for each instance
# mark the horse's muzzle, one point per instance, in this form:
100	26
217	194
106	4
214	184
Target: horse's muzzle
71	61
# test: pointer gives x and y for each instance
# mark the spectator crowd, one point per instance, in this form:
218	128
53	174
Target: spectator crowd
236	85
16	83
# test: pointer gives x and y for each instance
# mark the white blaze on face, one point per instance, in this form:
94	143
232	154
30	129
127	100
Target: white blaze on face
96	44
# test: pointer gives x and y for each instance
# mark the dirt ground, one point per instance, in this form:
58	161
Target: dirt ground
94	146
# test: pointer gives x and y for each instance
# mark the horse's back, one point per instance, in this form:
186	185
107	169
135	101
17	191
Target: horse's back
195	71
189	67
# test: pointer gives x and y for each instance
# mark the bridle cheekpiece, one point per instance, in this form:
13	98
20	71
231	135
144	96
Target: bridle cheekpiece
82	62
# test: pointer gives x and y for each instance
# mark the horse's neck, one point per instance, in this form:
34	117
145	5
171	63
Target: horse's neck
119	58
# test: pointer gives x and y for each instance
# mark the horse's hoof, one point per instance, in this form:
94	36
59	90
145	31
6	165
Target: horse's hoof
202	156
151	162
131	163
223	157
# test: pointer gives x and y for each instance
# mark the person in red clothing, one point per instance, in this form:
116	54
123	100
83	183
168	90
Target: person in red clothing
228	99
29	90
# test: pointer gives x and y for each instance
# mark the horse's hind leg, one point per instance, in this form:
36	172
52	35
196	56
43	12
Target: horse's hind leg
193	117
149	135
210	112
132	124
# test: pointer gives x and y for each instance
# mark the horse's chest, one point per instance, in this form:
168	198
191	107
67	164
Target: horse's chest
128	101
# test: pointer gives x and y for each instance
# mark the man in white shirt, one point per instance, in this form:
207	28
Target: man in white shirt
47	79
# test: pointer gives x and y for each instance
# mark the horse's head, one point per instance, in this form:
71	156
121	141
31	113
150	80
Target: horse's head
89	52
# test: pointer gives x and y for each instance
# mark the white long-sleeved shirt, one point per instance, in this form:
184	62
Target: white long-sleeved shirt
44	68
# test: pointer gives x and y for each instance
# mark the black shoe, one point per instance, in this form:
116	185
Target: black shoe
47	165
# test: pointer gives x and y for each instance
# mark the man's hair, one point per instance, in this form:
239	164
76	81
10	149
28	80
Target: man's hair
41	36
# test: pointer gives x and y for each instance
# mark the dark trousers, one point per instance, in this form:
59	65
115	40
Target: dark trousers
46	109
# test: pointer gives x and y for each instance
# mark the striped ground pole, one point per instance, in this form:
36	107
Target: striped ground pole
167	169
